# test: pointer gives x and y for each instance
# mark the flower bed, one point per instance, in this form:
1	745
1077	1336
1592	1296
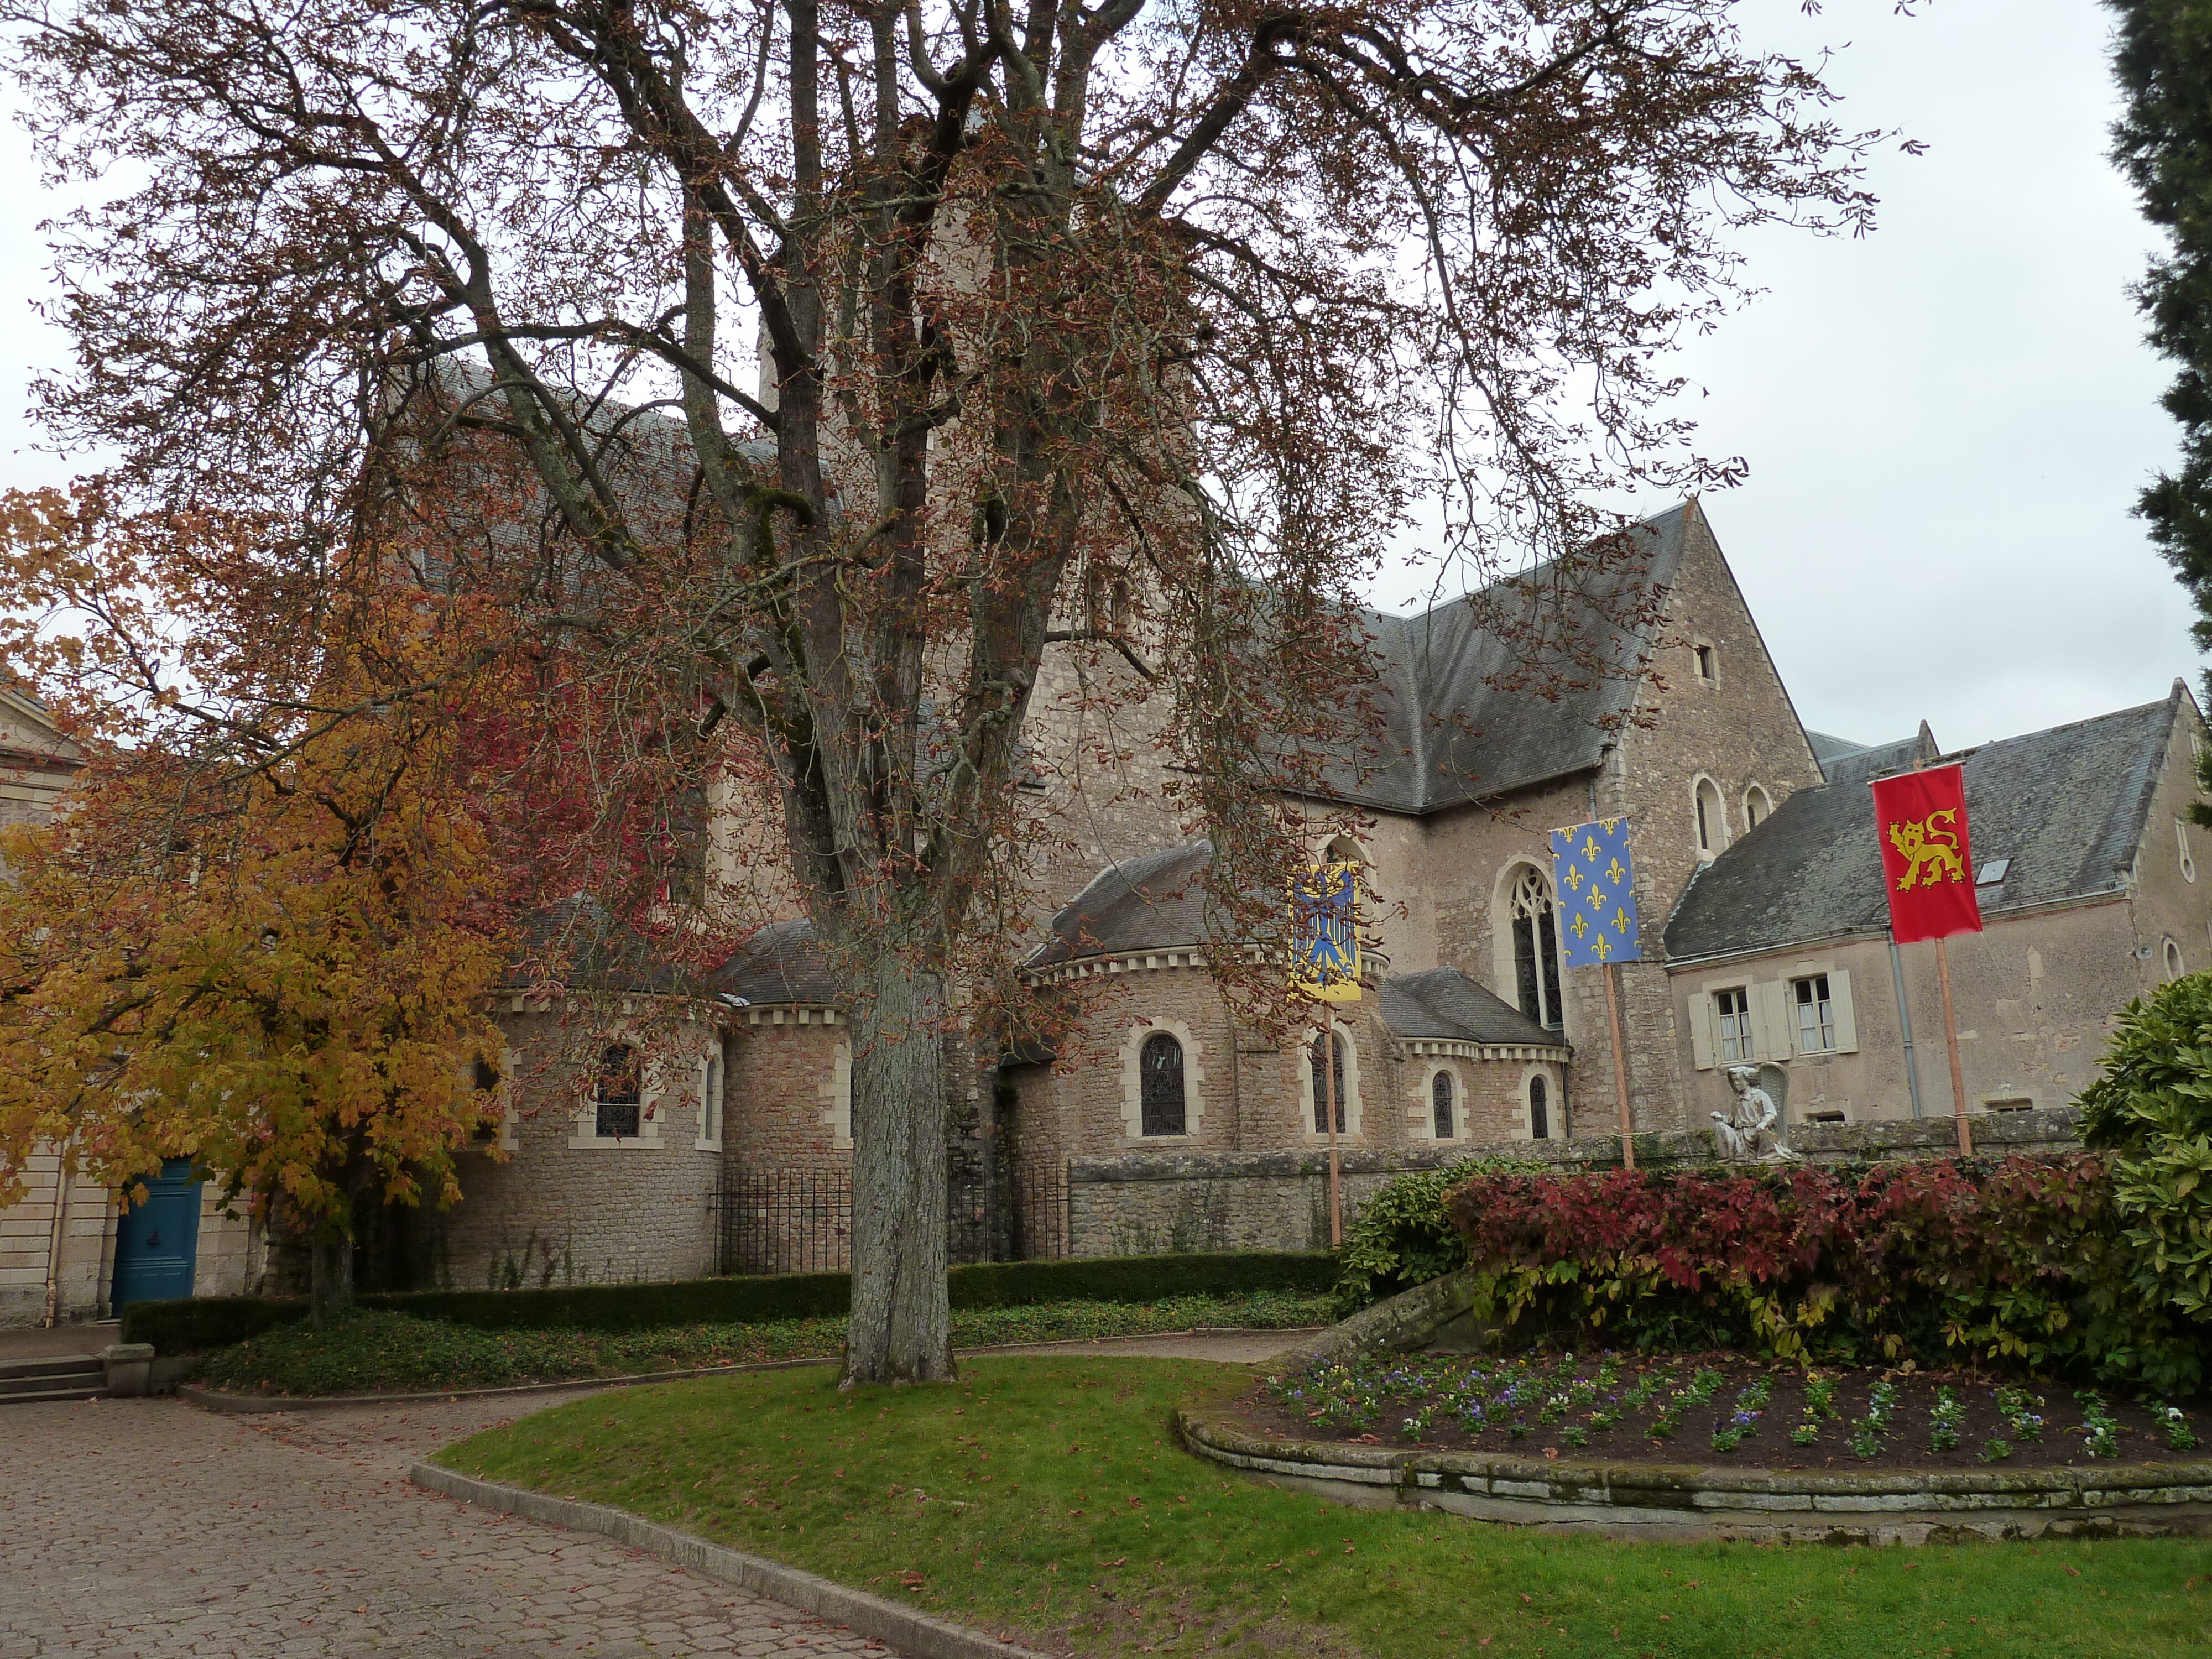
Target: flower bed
1716	1409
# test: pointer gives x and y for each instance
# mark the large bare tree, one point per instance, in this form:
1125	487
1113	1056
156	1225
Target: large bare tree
797	372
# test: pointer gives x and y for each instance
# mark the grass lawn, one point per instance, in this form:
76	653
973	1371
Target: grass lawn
1042	1498
371	1351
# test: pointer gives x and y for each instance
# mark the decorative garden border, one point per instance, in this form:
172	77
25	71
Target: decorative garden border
1873	1506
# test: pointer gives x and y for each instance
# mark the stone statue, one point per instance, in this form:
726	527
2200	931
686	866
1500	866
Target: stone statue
1751	1132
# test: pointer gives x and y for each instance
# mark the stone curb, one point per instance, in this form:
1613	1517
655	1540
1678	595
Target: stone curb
916	1635
250	1405
1693	1488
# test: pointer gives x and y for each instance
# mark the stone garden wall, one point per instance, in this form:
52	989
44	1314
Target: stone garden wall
1146	1203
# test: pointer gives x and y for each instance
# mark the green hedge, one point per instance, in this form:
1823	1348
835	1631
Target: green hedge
214	1321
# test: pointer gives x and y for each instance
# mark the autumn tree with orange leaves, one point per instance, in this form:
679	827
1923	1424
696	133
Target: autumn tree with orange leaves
788	377
278	968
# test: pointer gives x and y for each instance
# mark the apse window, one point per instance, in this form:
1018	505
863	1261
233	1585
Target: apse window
619	1093
1708	667
1159	1069
1322	1082
1816	1015
1734	1008
1440	1098
1539	1109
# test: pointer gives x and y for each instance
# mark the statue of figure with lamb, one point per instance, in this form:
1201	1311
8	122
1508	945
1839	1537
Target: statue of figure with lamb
1752	1132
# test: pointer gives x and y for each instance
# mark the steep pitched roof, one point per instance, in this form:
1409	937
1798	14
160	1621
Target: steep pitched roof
1147	904
1879	760
1444	1002
1457	726
2067	805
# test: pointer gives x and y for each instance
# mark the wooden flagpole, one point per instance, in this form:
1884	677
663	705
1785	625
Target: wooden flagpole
1329	1088
1951	1040
1619	1066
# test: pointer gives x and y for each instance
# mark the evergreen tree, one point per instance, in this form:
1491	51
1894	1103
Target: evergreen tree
2163	57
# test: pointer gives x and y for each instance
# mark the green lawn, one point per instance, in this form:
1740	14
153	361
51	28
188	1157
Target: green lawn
370	1350
1044	1498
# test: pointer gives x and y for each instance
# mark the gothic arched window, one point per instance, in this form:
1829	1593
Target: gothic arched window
1320	1084
1440	1096
1540	1116
619	1093
1536	951
1159	1075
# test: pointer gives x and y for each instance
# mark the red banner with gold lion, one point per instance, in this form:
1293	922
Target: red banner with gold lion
1920	818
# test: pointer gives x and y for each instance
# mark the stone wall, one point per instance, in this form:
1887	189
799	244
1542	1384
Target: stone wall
1147	1203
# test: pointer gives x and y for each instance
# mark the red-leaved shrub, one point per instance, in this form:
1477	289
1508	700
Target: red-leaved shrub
2019	1262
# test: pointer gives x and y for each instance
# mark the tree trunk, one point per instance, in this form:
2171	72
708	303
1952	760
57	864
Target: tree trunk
900	1329
330	1274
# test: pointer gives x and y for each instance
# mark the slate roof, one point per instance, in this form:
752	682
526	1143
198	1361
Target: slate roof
2067	805
1463	722
1148	903
1871	761
780	965
1826	746
1444	1002
580	944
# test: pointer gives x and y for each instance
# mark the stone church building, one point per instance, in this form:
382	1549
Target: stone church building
717	1136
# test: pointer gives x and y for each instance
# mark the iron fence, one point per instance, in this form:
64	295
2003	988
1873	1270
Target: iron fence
801	1221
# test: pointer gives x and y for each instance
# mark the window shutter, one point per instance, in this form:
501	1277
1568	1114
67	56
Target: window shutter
1772	1037
1840	1002
1701	1030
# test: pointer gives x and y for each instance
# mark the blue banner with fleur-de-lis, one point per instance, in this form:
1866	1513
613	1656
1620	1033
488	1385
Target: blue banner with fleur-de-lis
1596	886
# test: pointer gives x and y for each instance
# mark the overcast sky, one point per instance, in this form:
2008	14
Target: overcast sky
1946	423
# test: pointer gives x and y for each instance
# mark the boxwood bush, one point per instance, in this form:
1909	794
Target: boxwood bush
204	1323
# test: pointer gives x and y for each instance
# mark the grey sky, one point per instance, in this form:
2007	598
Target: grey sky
1946	423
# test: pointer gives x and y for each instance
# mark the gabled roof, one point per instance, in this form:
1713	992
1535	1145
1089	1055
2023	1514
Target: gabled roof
2068	806
1468	715
1149	903
1865	765
1445	1004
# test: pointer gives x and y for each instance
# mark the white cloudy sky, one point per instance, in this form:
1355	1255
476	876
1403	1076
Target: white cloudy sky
1946	423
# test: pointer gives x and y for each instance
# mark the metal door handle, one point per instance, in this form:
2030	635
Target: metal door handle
153	1241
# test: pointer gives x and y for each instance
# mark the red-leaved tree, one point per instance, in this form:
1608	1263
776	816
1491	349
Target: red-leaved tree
791	376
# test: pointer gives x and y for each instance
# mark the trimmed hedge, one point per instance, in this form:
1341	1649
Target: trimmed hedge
203	1322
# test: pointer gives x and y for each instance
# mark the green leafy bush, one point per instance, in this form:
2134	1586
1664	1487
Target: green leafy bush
2152	1109
198	1323
1401	1237
375	1351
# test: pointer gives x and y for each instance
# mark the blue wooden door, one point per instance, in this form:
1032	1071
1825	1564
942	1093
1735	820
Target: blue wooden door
154	1242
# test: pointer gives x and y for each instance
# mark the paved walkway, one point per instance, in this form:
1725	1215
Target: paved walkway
146	1529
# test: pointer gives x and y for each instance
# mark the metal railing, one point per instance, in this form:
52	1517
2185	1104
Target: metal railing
801	1221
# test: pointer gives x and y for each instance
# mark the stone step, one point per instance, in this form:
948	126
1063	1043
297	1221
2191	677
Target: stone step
54	1395
47	1372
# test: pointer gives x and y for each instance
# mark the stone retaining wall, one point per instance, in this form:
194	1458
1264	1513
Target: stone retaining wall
1873	1506
1149	1203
